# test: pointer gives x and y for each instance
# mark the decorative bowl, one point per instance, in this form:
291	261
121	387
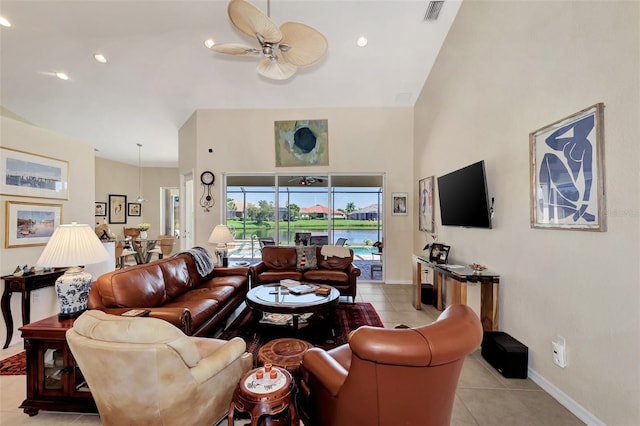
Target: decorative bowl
477	267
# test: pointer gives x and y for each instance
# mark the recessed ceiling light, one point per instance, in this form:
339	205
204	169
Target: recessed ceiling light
100	58
209	43
362	41
62	76
4	22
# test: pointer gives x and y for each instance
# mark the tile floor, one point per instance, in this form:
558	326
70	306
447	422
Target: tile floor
484	397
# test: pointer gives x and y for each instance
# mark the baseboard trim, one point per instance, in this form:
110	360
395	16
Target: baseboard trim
578	410
403	282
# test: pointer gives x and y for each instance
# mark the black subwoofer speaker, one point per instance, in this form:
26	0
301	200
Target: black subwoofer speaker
505	354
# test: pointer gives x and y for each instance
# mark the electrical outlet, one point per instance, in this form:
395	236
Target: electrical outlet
36	296
559	352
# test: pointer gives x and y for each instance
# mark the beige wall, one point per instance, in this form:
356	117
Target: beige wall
113	177
376	140
17	134
509	68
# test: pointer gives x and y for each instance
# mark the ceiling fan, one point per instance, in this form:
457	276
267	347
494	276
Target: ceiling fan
306	180
284	49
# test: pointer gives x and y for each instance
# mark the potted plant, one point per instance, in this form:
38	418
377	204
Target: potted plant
144	227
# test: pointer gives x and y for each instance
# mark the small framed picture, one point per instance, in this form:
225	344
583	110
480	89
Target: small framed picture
399	203
135	209
117	208
101	209
425	193
30	224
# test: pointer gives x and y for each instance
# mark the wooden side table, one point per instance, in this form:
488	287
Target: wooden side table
264	397
286	353
24	284
54	381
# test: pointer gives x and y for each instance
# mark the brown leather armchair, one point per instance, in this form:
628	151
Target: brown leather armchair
390	377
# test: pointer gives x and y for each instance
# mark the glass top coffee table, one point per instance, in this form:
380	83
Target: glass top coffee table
274	298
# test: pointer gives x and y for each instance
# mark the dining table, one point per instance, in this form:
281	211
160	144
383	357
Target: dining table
143	247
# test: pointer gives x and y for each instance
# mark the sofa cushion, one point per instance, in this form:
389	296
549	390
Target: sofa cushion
333	262
268	277
306	258
139	287
178	278
275	257
333	277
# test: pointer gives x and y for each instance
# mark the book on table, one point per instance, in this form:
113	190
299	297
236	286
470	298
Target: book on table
303	289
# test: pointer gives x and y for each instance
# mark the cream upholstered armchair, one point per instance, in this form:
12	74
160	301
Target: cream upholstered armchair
390	377
146	371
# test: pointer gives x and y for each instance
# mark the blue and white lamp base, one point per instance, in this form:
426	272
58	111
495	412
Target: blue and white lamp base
72	289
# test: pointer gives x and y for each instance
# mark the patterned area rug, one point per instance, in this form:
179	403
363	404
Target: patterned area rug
14	365
325	333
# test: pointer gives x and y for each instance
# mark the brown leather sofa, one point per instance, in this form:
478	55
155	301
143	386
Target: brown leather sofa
390	377
279	263
173	290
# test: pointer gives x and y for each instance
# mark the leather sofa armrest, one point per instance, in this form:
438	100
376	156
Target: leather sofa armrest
325	369
255	270
219	360
180	317
225	272
353	271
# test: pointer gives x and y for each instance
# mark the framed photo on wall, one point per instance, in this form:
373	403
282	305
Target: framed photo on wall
566	172
31	175
101	209
117	208
425	192
399	203
30	224
134	209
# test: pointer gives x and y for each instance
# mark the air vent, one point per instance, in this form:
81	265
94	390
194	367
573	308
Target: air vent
433	10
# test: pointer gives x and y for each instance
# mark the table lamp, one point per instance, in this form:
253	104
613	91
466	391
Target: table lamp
221	236
73	246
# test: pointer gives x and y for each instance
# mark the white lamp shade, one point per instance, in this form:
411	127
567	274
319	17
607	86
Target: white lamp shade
73	245
220	235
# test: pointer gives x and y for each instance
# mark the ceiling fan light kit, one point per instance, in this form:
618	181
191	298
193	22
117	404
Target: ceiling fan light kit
285	49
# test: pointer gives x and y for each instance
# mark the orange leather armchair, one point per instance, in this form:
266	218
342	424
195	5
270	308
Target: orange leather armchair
390	377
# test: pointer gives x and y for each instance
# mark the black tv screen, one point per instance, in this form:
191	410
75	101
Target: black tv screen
464	200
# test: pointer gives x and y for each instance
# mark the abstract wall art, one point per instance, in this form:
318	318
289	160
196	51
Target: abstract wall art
301	143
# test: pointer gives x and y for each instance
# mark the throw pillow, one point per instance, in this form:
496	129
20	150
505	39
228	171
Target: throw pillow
306	258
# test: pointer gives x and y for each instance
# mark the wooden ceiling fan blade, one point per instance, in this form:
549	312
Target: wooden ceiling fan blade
276	70
251	21
302	45
235	49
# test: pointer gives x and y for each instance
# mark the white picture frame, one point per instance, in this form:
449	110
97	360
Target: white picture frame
399	202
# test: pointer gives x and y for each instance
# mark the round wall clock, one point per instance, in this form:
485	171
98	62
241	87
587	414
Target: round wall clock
206	201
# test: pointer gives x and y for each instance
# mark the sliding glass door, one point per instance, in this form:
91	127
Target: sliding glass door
319	209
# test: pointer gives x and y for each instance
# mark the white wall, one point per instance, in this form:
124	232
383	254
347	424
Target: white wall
509	68
376	140
17	134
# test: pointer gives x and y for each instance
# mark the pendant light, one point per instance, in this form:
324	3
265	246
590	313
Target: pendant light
140	199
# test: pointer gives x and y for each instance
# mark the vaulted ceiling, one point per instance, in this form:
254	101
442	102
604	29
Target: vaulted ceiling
158	71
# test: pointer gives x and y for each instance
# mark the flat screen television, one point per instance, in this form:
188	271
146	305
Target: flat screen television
464	200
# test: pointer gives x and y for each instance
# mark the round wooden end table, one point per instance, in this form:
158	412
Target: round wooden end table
264	396
286	353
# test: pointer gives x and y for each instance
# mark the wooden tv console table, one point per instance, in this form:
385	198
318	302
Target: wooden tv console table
459	277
